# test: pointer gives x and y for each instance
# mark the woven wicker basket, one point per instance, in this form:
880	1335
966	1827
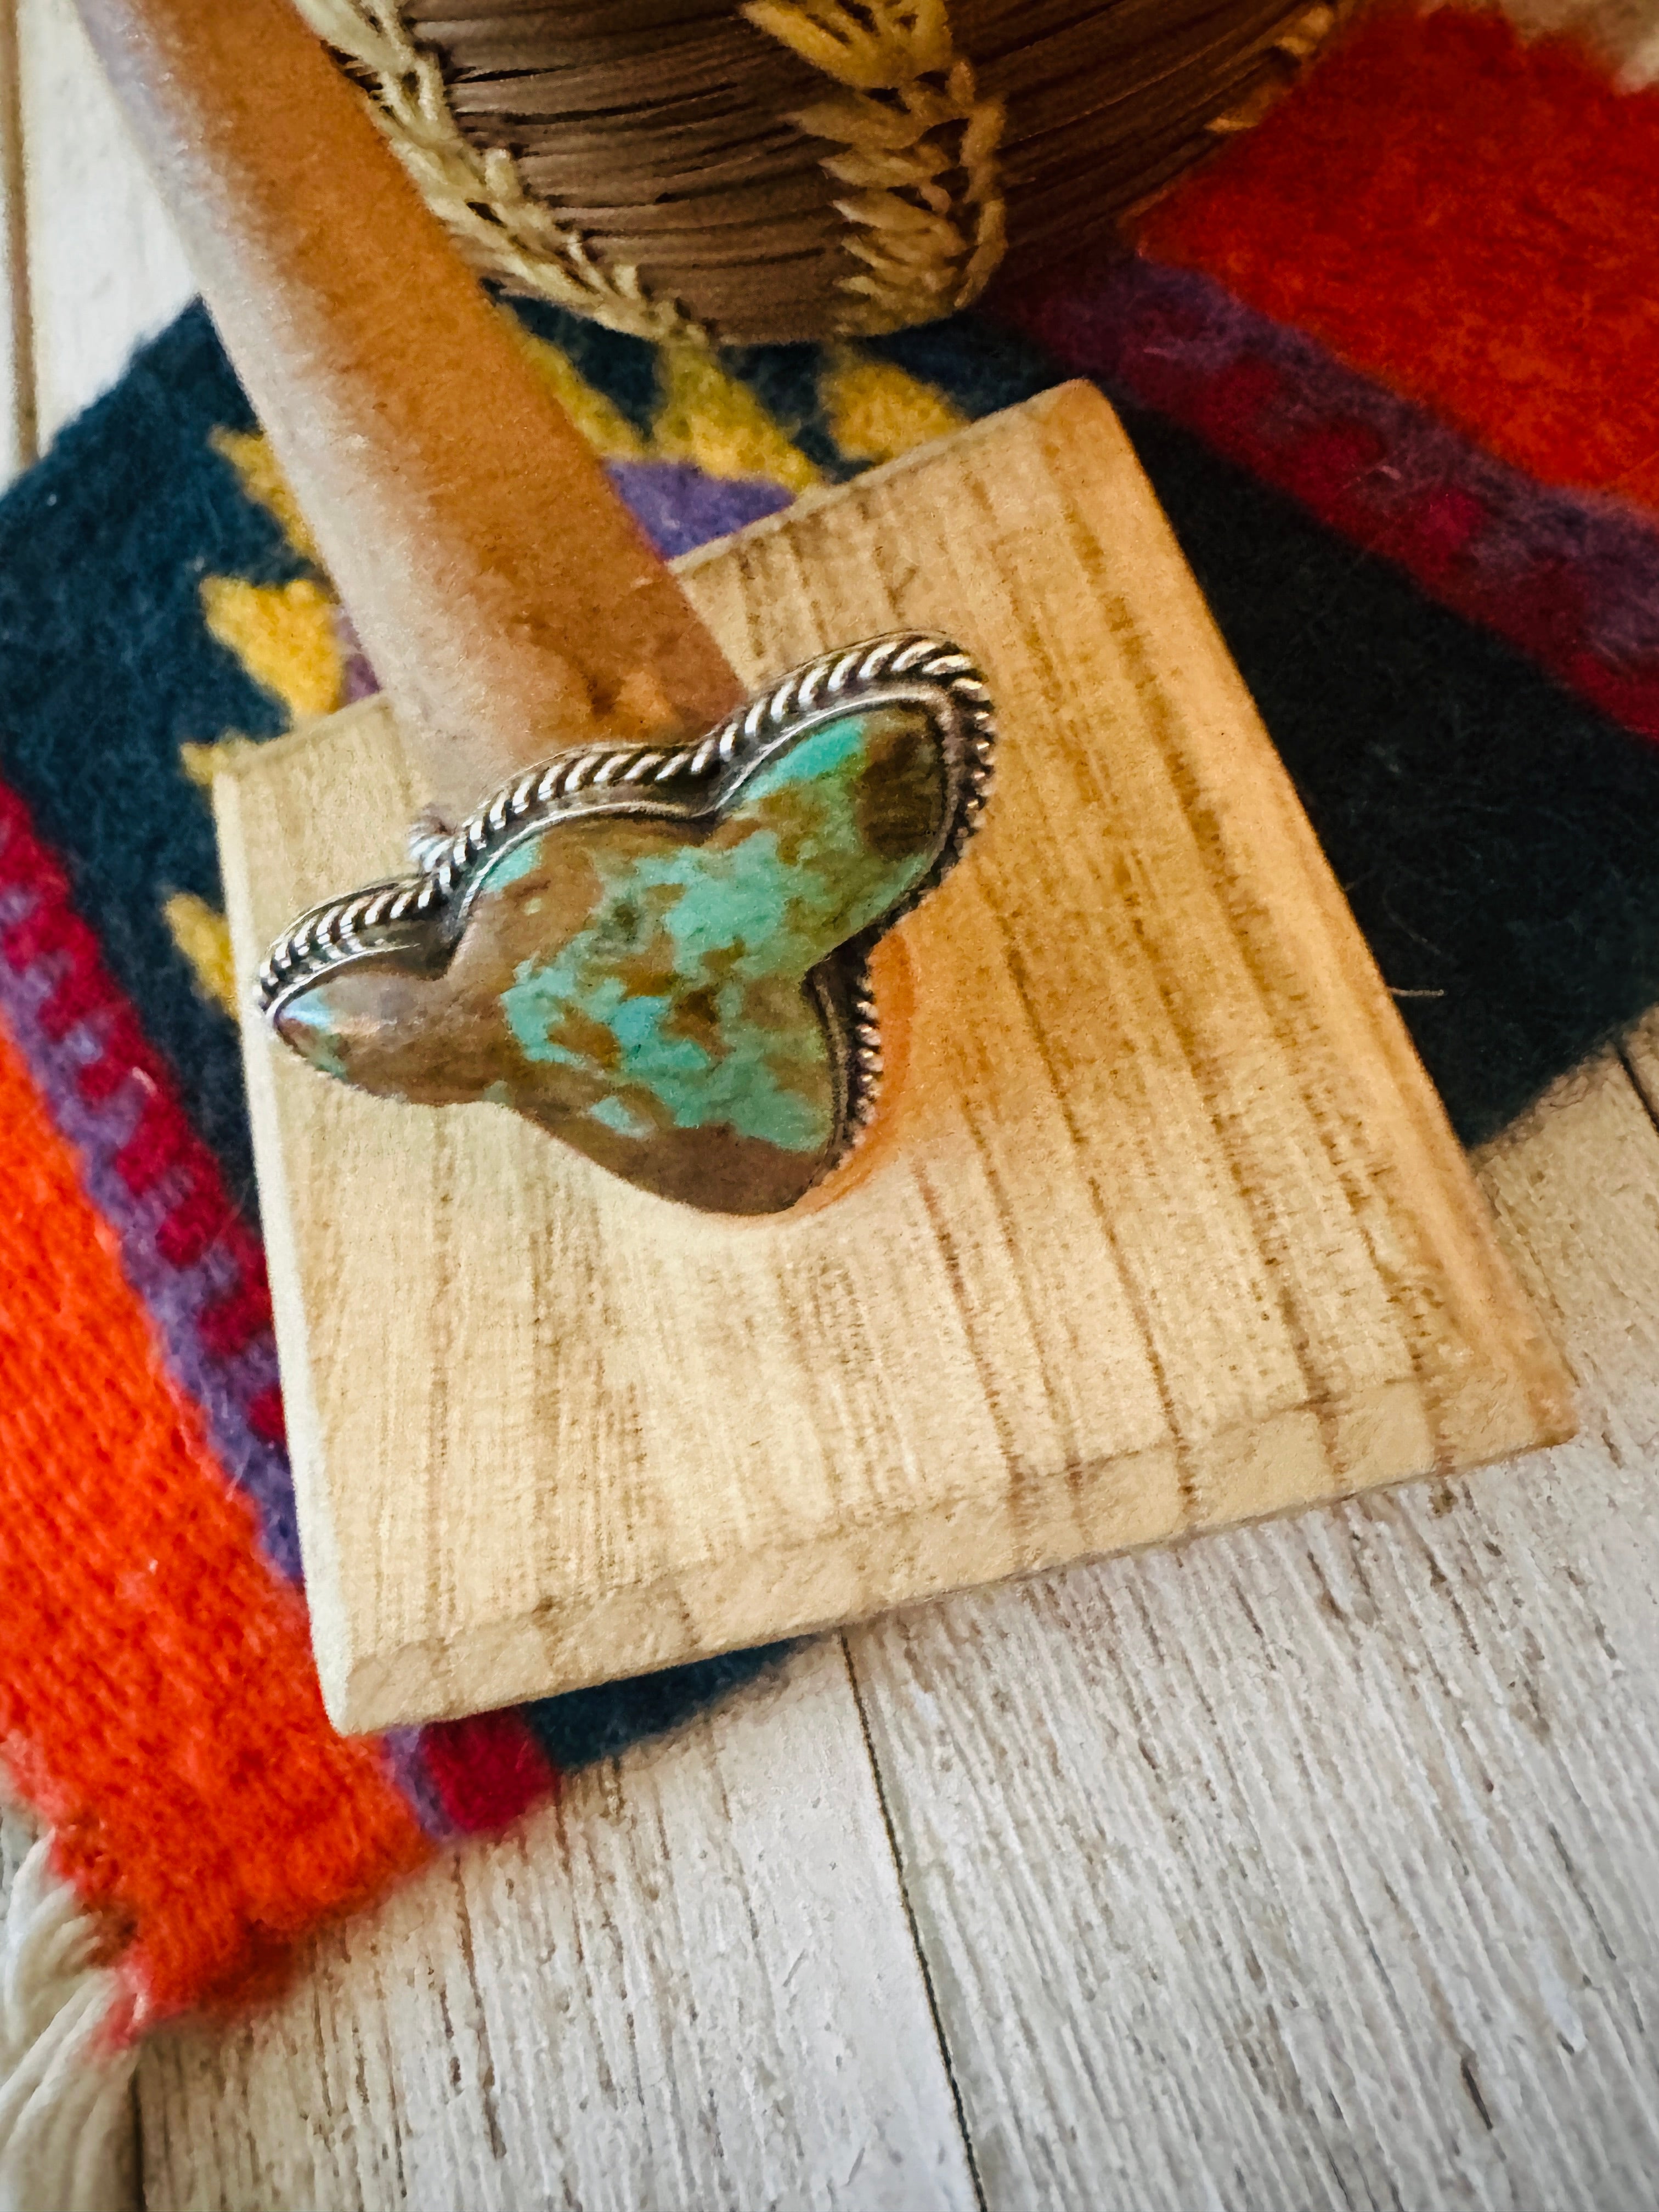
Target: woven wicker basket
802	169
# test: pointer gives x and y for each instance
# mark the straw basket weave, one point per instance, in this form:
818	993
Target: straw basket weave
784	169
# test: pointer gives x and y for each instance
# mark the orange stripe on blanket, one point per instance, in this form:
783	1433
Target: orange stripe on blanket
1472	221
158	1705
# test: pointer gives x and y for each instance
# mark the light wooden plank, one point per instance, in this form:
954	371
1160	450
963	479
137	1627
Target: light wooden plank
1164	1228
106	268
1315	1865
16	369
689	1985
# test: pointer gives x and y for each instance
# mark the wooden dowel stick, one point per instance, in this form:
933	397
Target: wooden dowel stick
507	598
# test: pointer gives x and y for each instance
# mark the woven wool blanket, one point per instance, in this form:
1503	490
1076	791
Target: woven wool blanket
1410	457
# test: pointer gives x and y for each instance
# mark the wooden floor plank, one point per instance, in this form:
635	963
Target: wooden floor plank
106	268
690	1985
1313	1865
16	362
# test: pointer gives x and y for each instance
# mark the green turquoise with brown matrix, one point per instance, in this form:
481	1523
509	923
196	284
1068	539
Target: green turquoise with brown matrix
640	987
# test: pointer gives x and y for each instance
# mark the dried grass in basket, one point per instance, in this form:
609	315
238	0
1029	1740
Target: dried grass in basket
787	169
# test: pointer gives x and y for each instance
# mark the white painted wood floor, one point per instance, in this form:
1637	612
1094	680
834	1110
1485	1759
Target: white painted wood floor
1312	1866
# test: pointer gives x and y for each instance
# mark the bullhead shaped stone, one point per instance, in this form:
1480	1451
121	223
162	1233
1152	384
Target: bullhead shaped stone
660	955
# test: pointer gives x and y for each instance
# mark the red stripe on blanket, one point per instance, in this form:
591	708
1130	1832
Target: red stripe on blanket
159	1705
1473	221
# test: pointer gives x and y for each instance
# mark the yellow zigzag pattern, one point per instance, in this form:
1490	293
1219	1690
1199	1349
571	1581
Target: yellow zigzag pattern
876	412
203	935
284	635
600	421
708	418
262	479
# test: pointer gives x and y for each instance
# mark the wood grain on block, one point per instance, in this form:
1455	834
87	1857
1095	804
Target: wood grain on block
1164	1228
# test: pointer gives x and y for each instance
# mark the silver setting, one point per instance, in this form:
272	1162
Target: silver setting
417	919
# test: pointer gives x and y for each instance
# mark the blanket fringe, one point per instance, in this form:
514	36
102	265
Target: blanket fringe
63	2080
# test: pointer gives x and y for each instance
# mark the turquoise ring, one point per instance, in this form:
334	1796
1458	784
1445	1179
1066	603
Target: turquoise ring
660	954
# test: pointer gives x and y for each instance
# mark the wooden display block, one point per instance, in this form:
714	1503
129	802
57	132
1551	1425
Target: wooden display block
1163	1226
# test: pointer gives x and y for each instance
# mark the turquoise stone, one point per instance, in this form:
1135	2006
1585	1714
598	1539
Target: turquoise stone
643	986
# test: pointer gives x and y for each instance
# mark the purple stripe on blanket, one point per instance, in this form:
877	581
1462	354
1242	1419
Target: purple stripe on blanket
1570	578
178	1297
